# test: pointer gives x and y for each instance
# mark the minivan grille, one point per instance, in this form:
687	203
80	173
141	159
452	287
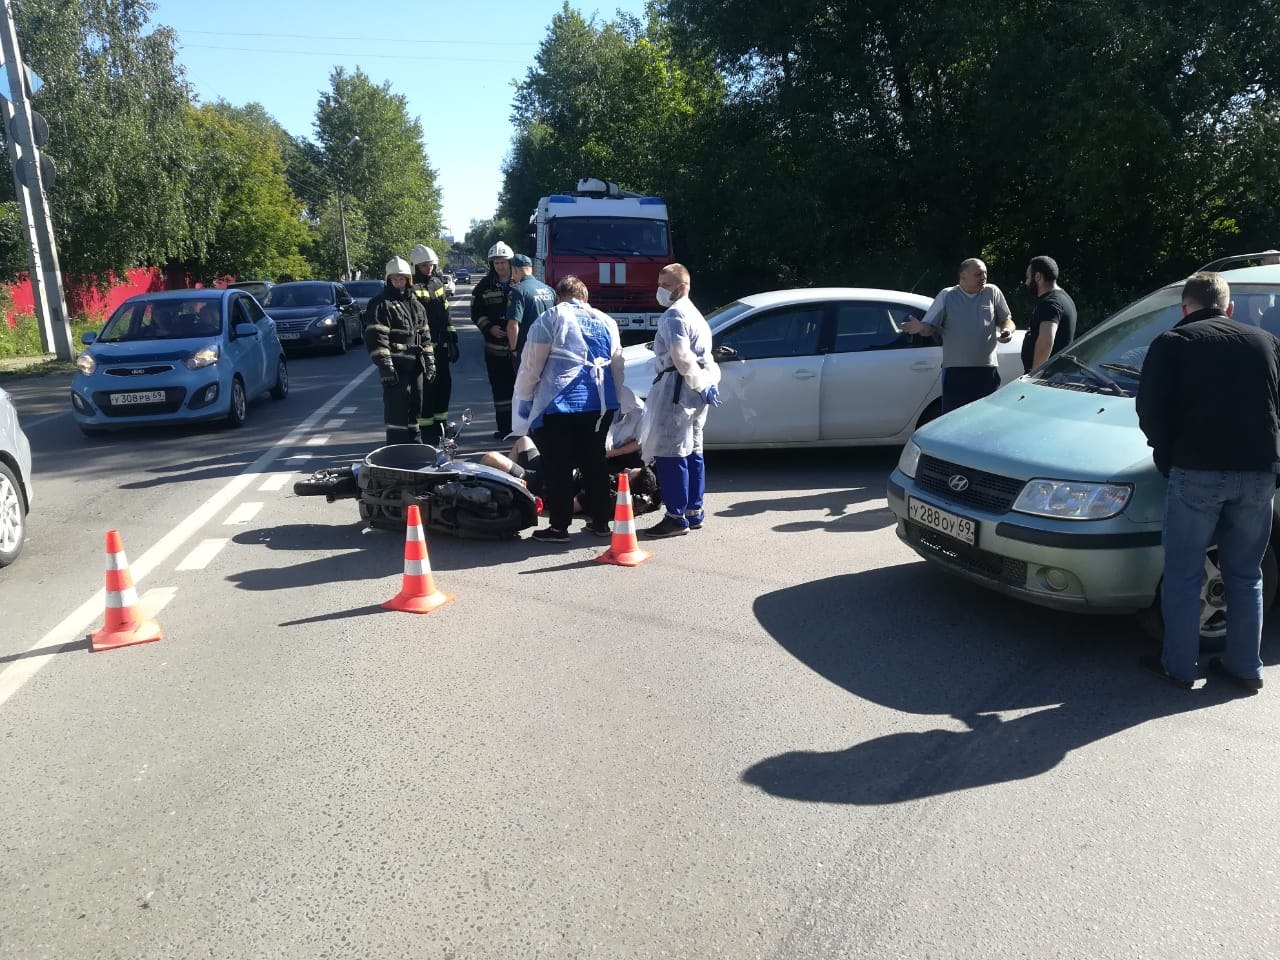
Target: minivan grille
986	491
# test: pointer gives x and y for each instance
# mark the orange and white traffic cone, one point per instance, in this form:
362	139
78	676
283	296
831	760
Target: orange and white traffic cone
418	594
625	549
123	624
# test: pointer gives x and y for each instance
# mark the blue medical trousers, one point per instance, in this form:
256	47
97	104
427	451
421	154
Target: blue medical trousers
682	481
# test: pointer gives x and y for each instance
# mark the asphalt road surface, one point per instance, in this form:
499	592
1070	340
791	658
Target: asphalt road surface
783	737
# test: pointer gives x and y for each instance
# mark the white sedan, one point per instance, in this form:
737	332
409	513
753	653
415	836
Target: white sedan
821	368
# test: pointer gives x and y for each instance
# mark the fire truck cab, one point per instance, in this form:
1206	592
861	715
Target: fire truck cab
614	240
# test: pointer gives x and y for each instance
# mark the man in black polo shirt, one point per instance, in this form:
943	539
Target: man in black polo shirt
1053	321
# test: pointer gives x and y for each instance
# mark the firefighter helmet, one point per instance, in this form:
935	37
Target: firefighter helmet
423	254
398	266
500	251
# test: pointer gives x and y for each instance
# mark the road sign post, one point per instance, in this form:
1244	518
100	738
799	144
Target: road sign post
30	178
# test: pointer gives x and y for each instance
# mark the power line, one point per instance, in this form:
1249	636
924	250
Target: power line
349	55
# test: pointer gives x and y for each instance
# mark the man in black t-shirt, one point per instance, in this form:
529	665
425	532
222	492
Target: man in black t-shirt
1053	321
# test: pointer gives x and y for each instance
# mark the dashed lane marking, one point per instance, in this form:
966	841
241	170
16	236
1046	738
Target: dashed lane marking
318	441
242	514
203	555
334	425
346	411
78	622
274	482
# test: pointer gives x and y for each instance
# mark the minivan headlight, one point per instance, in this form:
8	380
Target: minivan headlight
86	364
204	357
909	459
1072	500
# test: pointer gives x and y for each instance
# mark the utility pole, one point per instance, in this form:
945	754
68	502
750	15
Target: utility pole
342	226
28	183
342	217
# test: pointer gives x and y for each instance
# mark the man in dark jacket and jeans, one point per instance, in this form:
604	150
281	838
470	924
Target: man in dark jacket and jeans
1209	404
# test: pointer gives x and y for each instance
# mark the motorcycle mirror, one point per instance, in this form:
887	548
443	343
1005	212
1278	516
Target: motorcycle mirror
466	415
451	430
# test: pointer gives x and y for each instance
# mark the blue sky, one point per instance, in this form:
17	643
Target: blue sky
455	63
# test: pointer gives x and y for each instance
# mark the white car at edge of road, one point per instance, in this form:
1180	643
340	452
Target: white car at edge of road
821	367
15	481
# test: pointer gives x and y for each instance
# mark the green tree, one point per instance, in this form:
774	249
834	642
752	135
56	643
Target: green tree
327	248
115	100
386	170
245	218
611	100
483	234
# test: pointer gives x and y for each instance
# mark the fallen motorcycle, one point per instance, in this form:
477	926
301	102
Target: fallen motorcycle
454	495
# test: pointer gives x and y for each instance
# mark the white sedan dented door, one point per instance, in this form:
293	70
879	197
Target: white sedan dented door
770	385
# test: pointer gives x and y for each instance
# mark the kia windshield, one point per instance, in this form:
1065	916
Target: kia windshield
612	237
163	320
1109	358
300	295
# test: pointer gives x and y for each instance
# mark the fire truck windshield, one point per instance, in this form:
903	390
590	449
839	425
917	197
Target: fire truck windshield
614	237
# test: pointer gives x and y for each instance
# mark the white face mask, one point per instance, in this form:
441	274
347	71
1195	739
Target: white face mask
664	297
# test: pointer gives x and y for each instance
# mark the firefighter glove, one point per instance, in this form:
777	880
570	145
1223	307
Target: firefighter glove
452	336
387	372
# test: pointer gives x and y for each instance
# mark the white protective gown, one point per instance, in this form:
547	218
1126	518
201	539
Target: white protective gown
674	411
554	355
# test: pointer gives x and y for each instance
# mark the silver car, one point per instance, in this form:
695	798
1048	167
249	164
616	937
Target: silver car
15	481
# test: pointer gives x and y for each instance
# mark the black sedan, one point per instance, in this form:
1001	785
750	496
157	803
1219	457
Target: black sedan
462	275
314	313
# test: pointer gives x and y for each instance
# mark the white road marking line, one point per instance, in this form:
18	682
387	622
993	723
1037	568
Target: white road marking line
79	621
297	456
334	425
203	555
242	514
155	600
346	411
319	441
274	482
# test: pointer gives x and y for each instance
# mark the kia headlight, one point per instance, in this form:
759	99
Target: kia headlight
86	364
204	357
909	459
1072	500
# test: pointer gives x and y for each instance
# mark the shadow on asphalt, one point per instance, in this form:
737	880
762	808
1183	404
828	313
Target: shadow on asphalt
912	640
75	646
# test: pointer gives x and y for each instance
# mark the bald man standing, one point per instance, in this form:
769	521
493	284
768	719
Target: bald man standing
969	319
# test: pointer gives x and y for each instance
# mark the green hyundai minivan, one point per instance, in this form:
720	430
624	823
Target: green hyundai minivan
1046	490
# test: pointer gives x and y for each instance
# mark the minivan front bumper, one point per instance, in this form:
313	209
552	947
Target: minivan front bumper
1093	566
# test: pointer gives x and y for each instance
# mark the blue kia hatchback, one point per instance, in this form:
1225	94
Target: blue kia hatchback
178	357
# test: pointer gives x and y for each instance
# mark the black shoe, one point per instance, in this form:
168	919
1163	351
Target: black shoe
1248	684
668	527
499	435
600	531
551	535
695	521
1154	665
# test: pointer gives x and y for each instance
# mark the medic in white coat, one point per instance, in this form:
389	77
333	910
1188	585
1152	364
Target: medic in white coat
684	387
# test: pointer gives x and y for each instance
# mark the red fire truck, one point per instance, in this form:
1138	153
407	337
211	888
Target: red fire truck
614	240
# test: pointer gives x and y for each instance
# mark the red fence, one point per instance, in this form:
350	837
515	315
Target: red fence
98	301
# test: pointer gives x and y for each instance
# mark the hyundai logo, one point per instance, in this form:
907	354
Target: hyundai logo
959	483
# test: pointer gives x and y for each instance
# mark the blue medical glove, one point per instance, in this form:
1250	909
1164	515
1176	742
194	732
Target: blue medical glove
524	408
711	397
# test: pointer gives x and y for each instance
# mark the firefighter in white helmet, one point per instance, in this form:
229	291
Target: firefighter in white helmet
399	345
489	312
429	289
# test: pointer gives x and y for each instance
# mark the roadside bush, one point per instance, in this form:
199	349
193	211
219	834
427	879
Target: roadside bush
23	340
